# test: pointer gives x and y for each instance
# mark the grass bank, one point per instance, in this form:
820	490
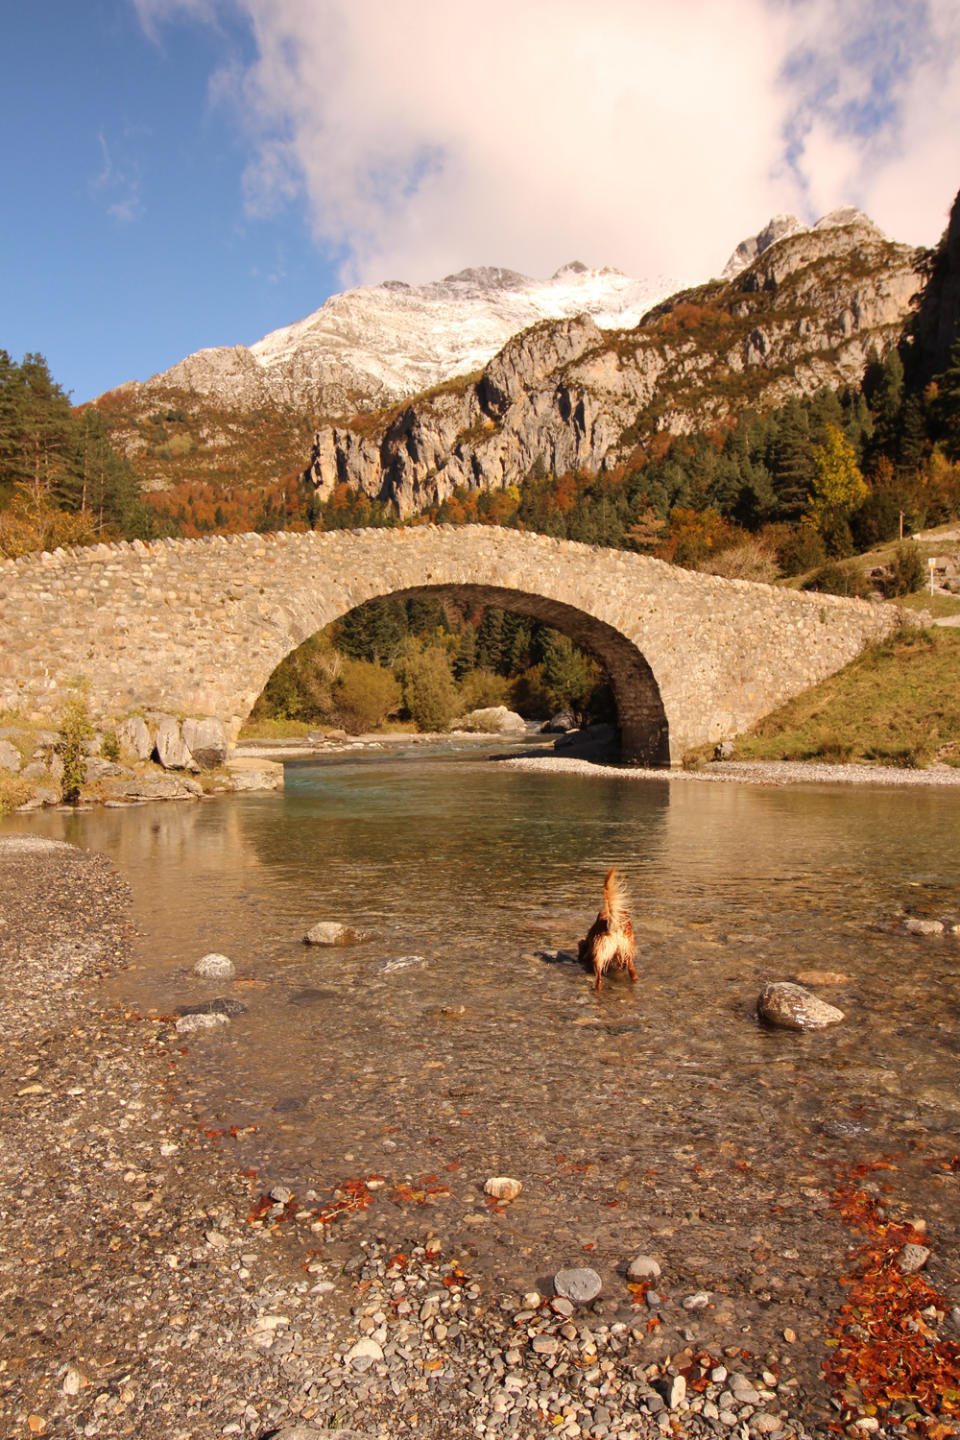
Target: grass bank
898	703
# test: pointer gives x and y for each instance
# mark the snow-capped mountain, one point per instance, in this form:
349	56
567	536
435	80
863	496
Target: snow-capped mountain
370	346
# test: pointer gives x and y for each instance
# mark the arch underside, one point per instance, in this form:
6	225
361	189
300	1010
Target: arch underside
644	729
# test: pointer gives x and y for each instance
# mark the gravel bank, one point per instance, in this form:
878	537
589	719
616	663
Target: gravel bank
753	772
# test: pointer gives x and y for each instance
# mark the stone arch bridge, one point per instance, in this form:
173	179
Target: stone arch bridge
195	627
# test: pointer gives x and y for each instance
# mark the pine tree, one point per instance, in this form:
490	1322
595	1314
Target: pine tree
946	406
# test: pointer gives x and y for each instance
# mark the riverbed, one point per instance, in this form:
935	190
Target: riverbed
462	1040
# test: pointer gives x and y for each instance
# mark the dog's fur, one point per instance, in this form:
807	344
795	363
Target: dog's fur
609	941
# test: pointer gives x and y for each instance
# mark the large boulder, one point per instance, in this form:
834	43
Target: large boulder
134	734
169	746
794	1008
560	723
493	720
9	757
207	741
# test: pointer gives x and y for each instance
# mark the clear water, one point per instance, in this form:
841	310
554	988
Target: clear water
454	1043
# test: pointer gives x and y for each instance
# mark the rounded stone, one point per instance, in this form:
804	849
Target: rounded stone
501	1187
923	927
215	967
578	1283
791	1007
332	932
643	1267
187	1024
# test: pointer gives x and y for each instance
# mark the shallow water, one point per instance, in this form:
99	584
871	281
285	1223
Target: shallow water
455	1044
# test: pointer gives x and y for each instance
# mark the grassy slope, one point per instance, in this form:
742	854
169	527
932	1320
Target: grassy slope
897	704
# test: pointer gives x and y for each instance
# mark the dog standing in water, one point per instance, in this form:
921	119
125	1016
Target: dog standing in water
609	941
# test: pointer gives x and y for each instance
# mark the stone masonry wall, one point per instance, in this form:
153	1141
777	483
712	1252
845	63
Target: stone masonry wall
196	627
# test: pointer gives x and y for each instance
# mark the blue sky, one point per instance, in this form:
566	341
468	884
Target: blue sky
183	173
125	243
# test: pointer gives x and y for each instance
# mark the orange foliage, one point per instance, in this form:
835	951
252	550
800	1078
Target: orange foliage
886	1347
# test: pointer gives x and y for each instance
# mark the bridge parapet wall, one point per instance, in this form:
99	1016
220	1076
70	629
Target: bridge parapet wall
196	627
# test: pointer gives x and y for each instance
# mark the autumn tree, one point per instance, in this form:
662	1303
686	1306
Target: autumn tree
838	489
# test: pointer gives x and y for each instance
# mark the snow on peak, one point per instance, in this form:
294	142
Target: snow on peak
378	343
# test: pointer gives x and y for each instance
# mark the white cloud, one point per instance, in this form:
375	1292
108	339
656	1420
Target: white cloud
121	181
431	135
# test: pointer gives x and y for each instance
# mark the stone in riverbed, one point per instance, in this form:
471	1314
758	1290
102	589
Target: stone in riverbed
822	977
793	1008
215	967
332	932
222	1005
189	1023
917	926
578	1283
501	1187
643	1267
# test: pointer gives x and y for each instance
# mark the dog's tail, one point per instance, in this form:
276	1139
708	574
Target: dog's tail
614	899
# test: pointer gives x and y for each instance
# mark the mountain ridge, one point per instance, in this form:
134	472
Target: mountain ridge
566	396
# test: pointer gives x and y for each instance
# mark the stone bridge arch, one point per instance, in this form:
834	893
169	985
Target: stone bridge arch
197	627
644	728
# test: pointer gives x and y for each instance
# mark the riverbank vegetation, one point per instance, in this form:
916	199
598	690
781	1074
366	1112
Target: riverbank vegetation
423	662
897	704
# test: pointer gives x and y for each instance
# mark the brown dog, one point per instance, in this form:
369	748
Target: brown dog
609	941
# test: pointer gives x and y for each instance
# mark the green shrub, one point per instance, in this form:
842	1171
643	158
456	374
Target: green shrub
906	571
429	691
75	729
110	746
837	579
801	551
364	695
481	688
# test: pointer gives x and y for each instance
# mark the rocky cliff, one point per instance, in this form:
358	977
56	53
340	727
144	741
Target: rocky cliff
566	395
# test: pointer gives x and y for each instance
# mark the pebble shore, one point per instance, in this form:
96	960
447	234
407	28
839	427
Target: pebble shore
752	772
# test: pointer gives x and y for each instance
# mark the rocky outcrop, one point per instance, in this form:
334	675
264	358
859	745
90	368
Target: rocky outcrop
567	396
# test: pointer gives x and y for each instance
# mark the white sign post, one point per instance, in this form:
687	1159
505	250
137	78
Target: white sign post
931	566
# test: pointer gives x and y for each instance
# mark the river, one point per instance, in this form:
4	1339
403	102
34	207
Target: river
457	1043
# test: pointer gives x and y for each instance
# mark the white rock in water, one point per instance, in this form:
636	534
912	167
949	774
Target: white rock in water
644	1267
793	1008
579	1284
493	720
215	967
923	927
501	1187
331	932
188	1023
